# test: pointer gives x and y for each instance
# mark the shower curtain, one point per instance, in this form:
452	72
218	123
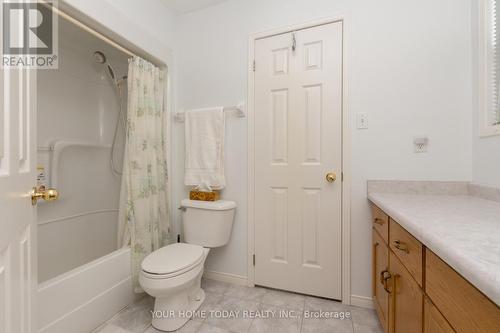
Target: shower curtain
144	217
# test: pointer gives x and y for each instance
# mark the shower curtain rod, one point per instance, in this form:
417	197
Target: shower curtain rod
90	30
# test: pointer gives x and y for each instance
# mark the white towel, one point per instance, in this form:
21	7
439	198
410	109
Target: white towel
204	162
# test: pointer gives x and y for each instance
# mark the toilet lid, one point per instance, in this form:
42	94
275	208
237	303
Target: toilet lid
172	258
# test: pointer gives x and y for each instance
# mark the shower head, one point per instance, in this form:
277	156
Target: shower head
99	57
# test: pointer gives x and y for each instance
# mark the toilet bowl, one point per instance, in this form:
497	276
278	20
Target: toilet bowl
172	274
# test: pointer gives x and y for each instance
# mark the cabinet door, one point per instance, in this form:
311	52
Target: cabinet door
380	265
434	321
405	302
465	307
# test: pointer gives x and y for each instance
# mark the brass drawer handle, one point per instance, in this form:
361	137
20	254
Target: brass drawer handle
394	293
382	276
385	275
379	221
401	246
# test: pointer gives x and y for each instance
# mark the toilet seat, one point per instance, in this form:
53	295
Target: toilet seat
172	260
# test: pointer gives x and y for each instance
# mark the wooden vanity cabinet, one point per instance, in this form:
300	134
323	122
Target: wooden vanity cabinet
434	321
464	307
414	291
380	267
408	249
380	222
405	300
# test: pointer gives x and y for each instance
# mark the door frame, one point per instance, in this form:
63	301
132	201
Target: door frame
346	149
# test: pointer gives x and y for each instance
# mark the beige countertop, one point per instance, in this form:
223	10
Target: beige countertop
463	229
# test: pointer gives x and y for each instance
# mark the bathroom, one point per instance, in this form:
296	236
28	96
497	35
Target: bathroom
394	184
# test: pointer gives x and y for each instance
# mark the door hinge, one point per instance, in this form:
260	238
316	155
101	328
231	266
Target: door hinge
254	65
342	176
254	259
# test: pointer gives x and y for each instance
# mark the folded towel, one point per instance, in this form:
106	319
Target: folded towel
204	162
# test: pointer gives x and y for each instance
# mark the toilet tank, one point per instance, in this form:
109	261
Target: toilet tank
207	223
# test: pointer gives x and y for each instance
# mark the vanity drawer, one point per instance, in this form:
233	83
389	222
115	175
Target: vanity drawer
465	307
408	249
380	222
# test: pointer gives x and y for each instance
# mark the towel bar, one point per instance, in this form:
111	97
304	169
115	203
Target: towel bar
238	110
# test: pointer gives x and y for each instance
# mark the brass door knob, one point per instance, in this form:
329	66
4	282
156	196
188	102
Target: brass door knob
331	177
38	193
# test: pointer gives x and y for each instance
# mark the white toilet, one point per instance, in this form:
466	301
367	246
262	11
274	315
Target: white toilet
173	273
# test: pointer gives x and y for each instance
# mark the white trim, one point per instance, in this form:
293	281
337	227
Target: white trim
346	167
486	56
251	159
226	277
346	151
362	301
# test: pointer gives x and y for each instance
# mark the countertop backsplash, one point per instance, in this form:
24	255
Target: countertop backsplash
434	188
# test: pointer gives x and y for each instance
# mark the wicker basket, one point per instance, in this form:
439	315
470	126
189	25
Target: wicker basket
204	196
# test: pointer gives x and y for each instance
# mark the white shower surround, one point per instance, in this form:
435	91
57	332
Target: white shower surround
77	110
85	278
130	31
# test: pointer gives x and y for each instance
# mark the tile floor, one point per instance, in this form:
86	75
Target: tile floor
136	318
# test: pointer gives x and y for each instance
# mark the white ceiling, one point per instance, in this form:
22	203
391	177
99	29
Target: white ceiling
185	6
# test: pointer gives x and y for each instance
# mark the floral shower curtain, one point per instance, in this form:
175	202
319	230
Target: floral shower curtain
146	208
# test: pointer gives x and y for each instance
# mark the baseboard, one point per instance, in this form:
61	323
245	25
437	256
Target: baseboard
362	301
226	277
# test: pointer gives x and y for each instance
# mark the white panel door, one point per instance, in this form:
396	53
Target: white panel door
18	282
298	141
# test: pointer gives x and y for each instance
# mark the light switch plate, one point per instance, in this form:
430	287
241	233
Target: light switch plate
362	120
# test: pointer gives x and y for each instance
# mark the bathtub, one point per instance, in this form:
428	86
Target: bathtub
80	300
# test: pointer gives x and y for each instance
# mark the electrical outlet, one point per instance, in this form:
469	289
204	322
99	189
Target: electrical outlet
420	144
362	120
